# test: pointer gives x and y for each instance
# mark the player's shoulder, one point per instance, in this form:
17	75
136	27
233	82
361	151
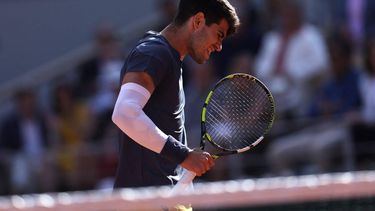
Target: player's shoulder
153	44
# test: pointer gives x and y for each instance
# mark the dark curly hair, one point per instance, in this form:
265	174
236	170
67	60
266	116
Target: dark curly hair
214	11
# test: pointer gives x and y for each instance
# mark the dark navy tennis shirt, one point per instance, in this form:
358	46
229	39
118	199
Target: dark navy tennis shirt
139	166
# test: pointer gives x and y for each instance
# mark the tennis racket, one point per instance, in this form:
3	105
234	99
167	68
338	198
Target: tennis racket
236	115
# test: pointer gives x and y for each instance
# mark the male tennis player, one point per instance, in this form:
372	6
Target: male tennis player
150	106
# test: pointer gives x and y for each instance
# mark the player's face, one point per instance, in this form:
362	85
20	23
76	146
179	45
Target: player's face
206	40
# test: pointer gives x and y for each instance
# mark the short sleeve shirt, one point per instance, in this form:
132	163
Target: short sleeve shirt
139	166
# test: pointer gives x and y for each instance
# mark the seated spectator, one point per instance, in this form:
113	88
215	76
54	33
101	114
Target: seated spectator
98	78
73	121
241	62
24	142
203	77
247	39
167	10
367	84
364	124
339	95
290	59
317	148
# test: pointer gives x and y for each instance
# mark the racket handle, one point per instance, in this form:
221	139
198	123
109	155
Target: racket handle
185	183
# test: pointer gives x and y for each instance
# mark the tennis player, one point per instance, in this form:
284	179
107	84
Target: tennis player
150	106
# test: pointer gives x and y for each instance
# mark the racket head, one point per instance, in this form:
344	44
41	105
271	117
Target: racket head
237	113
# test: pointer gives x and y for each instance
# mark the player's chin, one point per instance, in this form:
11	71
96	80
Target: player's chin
200	60
205	58
200	57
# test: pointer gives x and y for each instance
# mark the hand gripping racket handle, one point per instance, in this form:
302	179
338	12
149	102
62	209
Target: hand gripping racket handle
185	183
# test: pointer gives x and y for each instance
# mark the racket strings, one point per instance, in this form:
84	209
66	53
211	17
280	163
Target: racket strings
239	112
223	125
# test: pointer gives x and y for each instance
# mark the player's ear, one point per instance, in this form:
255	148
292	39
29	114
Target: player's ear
198	20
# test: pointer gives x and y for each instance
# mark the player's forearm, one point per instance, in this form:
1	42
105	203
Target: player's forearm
130	118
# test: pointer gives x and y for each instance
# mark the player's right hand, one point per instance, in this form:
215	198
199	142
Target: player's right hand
198	162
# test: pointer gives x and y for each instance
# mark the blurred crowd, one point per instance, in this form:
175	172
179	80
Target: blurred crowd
317	57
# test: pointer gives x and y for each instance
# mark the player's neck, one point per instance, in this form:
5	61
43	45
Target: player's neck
177	38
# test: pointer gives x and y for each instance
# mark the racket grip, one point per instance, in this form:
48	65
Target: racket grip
185	183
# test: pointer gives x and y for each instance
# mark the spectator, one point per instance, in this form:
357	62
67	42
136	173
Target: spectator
241	62
367	87
339	95
246	40
369	16
73	127
317	147
106	55
167	10
364	125
203	77
24	142
98	78
291	57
